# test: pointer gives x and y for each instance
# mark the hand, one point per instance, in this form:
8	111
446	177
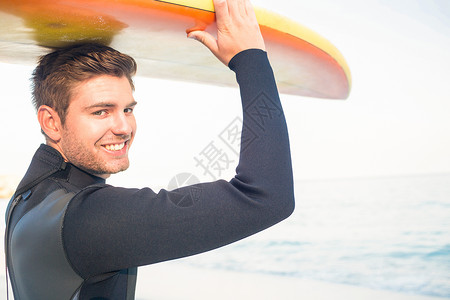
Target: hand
237	30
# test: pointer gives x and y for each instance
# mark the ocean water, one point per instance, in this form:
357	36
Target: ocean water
384	233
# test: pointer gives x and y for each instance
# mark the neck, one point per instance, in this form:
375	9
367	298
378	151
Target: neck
58	148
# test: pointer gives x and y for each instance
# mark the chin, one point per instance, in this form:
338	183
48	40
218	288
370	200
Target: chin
106	171
119	169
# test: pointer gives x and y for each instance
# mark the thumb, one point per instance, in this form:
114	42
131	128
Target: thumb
206	39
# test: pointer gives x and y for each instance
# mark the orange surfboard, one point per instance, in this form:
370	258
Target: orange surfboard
154	33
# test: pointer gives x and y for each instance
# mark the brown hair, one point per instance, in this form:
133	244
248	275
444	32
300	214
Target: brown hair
60	71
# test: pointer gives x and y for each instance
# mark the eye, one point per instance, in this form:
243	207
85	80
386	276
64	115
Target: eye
128	110
99	113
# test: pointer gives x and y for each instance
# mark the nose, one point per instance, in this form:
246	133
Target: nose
123	124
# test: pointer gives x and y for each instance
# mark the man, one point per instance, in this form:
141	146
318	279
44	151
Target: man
71	236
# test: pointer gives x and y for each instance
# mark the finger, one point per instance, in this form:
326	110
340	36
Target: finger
206	39
235	8
249	10
241	4
222	13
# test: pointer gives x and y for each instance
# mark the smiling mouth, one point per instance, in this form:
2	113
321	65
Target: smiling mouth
114	147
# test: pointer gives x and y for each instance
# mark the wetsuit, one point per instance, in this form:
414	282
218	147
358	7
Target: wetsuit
72	236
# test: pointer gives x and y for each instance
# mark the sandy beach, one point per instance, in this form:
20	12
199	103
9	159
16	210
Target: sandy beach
177	280
170	281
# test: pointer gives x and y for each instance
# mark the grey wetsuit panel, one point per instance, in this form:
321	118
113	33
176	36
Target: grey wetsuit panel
41	267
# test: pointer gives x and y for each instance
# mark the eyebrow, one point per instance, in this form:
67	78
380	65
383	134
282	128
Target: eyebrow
106	105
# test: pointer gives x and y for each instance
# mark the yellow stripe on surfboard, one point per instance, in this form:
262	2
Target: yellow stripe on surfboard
199	4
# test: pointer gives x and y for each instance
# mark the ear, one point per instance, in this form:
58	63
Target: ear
50	122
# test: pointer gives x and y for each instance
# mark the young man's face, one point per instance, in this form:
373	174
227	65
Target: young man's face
100	125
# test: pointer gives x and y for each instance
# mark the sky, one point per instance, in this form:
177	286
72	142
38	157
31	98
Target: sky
396	120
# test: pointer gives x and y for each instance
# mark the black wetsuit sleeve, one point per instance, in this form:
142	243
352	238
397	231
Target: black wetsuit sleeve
110	228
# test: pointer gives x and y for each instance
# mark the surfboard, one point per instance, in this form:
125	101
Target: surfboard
154	33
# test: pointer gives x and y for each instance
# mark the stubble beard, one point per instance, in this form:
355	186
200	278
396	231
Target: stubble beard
80	156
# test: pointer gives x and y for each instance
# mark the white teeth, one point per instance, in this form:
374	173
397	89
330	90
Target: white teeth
115	147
